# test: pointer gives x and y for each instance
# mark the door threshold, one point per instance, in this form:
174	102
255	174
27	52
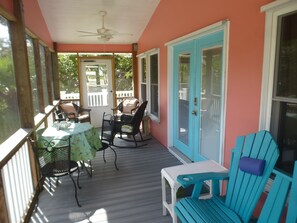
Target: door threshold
179	155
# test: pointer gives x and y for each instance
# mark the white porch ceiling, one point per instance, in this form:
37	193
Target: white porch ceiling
65	18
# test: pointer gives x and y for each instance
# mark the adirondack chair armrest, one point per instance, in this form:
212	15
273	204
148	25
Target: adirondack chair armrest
85	109
188	179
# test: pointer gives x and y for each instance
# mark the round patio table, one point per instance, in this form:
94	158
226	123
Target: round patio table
84	139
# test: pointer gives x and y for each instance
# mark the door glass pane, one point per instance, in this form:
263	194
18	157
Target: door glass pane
97	85
210	108
183	96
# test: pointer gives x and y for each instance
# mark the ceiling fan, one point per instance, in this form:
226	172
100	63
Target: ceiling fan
103	33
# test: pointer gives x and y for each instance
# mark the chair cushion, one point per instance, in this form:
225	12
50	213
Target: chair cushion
252	166
129	104
68	108
127	128
85	116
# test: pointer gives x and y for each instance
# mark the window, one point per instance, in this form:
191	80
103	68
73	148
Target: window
149	82
143	78
32	70
9	111
279	97
154	84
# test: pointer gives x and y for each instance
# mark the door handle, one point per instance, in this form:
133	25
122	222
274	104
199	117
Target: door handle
194	112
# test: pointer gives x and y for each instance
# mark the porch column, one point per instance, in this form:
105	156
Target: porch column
135	69
20	59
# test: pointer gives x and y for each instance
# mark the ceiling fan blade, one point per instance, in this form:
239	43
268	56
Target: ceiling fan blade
87	32
124	34
89	35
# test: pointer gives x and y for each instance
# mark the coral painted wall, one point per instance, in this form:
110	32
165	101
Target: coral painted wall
124	48
175	18
7	5
35	22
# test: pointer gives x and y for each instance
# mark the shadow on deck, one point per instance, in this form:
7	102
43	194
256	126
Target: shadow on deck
130	195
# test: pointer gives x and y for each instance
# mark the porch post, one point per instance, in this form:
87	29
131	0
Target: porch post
20	59
49	76
135	68
56	73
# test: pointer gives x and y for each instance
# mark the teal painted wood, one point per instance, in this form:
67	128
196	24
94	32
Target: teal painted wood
292	208
243	191
277	197
194	49
247	187
183	48
212	210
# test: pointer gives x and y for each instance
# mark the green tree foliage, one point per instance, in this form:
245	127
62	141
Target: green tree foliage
7	80
68	73
124	74
9	112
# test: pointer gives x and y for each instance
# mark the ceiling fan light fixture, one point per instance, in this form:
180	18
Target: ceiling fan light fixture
103	33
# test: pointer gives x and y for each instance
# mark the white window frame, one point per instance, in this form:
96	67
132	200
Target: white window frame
147	55
273	11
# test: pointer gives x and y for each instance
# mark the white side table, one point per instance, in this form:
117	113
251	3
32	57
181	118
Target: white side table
171	173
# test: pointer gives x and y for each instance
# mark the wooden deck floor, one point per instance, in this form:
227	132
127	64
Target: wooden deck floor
130	195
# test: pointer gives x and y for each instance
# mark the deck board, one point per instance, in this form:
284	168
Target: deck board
130	195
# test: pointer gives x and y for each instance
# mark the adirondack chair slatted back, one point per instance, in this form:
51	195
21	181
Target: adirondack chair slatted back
244	189
292	208
277	198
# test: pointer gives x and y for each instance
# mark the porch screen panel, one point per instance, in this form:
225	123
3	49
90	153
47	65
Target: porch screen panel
44	79
33	79
9	110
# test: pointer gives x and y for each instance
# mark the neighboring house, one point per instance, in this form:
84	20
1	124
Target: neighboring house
214	70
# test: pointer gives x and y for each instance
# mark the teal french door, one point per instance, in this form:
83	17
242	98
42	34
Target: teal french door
197	91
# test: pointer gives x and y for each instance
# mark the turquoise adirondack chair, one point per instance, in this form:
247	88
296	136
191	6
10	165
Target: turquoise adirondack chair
252	162
277	197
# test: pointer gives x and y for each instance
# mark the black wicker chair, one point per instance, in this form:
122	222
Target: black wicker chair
54	160
107	136
130	125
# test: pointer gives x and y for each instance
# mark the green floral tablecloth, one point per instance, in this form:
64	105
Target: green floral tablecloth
84	139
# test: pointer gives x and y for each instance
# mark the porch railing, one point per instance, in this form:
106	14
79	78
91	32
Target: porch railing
17	184
19	177
97	98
